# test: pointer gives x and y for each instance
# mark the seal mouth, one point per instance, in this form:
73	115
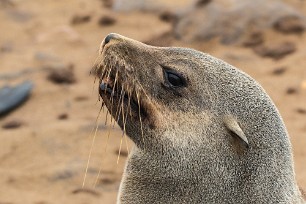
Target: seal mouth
121	99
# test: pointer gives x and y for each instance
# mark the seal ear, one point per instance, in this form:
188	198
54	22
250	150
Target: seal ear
231	124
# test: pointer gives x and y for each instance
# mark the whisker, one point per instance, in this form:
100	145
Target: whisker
124	119
123	132
140	120
92	145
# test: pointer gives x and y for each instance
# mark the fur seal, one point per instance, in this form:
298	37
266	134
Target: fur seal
204	131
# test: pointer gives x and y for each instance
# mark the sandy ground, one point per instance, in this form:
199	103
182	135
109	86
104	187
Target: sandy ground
43	161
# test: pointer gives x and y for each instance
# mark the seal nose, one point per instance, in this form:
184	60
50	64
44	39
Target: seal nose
109	37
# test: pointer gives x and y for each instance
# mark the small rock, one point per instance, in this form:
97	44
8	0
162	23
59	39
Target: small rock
107	3
6	47
7	4
66	174
13	124
81	98
279	71
79	19
275	51
107	181
168	16
291	90
106	21
254	39
200	3
63	116
123	153
289	24
62	75
86	191
301	110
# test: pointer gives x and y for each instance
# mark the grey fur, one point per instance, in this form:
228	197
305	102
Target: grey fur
189	153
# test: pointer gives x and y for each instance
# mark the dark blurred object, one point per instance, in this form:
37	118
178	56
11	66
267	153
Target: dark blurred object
107	3
301	110
289	24
6	47
202	2
275	51
62	75
168	16
291	90
7	3
279	71
231	21
79	19
106	21
63	116
13	124
81	98
12	97
256	38
122	152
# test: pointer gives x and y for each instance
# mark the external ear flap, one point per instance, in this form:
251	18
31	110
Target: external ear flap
231	123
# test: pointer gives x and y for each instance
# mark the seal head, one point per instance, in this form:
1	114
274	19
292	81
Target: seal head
204	131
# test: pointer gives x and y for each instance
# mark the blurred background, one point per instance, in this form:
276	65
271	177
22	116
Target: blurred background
46	142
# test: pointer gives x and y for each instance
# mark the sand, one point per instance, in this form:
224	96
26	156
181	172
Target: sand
44	160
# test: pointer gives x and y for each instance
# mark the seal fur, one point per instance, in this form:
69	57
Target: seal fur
217	139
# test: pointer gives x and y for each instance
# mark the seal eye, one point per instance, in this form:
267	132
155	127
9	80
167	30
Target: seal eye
174	79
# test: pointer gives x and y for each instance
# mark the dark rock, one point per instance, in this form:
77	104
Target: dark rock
107	3
123	153
289	24
7	4
256	38
79	19
279	71
81	98
301	110
62	75
232	21
202	2
291	90
106	21
63	116
13	97
168	16
275	51
6	47
13	124
107	181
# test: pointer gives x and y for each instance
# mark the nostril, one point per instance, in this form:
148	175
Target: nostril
108	38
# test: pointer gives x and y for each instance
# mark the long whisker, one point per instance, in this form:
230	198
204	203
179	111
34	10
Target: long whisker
124	126
92	145
123	132
113	92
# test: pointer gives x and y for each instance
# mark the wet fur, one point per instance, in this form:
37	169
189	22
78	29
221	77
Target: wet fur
186	153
